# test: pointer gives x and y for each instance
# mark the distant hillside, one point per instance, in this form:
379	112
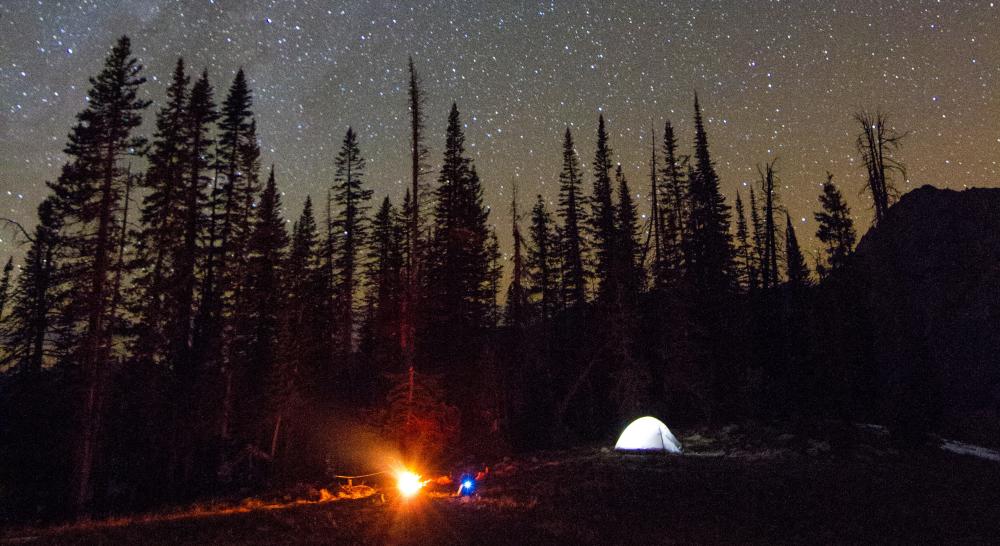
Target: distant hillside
931	276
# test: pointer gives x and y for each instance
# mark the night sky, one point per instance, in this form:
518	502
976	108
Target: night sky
776	79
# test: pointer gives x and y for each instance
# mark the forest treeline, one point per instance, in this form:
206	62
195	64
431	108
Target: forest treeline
168	337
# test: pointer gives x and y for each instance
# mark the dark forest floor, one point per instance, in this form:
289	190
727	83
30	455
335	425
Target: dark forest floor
731	486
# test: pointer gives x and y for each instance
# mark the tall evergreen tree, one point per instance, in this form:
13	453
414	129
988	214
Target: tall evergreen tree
517	293
836	229
414	212
655	212
542	262
26	333
795	264
628	251
387	284
306	337
460	288
190	212
88	197
746	267
602	216
570	212
8	268
237	163
709	253
673	211
351	225
769	256
266	250
494	273
160	227
757	227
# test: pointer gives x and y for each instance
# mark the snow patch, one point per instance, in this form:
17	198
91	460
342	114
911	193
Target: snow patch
969	449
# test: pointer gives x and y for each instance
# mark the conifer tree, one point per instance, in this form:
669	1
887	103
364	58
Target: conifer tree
190	212
517	294
414	212
460	291
263	380
708	250
305	339
224	303
542	262
160	227
746	268
757	226
795	264
418	167
351	225
673	210
386	283
570	212
628	252
494	273
769	256
5	286
655	213
602	216
836	228
88	197
36	298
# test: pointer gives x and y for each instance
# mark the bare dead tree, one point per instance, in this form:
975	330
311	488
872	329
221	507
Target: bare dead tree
877	144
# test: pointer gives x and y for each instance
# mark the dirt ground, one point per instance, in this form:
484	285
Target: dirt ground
724	489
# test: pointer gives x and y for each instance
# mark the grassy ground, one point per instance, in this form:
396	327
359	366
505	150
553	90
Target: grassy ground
733	486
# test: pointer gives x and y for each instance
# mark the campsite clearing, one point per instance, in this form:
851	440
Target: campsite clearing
730	486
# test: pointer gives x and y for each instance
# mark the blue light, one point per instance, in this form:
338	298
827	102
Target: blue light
467	484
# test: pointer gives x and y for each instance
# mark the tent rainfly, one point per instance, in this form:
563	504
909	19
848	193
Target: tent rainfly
648	434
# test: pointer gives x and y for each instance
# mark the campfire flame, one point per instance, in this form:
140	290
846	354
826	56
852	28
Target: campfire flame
409	483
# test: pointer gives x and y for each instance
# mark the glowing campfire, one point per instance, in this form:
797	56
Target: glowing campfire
409	483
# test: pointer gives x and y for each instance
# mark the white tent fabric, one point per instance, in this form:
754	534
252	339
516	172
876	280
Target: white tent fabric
648	433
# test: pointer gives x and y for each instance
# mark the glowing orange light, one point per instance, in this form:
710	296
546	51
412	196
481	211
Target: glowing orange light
409	484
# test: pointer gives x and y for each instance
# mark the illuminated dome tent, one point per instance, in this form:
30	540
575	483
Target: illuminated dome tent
648	434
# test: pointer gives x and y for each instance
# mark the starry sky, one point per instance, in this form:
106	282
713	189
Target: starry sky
776	79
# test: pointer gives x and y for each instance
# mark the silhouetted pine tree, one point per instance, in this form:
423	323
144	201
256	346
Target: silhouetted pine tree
836	229
542	261
414	212
570	211
746	267
160	227
602	217
674	210
656	213
264	381
517	293
493	276
386	286
305	340
224	305
5	286
769	256
300	344
351	226
795	264
89	196
190	212
708	248
26	331
628	251
459	296
757	225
